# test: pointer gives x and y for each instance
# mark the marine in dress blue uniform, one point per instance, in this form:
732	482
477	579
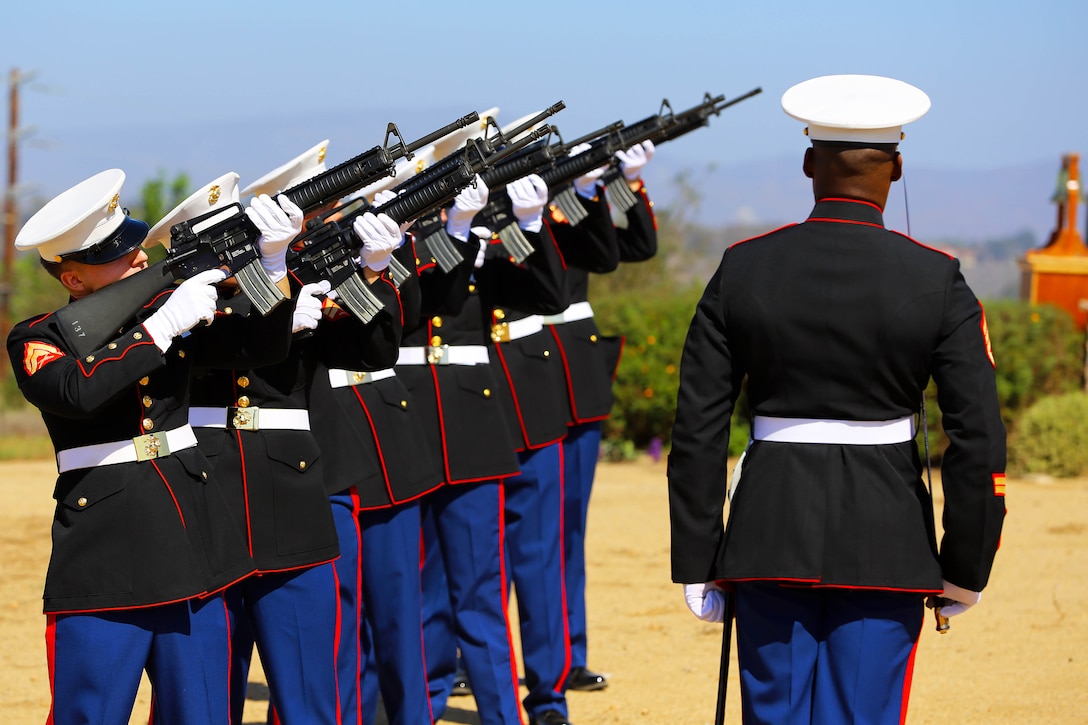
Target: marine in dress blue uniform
593	245
333	338
253	426
143	539
371	437
838	324
465	601
532	387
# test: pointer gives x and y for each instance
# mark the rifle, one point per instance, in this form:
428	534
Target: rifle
329	249
680	124
498	214
227	237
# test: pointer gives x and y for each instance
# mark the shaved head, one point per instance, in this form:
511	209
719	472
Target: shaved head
853	171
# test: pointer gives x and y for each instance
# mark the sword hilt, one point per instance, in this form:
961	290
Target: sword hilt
936	604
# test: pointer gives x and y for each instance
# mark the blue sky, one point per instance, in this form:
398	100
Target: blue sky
1006	78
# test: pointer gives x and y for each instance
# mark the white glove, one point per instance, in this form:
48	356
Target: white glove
191	302
586	184
279	224
633	159
383	197
308	306
705	601
467	204
963	599
380	235
528	195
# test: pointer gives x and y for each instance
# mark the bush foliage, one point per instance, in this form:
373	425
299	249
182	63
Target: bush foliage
1052	437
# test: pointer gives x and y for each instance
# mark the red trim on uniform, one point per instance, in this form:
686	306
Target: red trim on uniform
647	203
358	613
230	660
558	687
166	483
397	502
167	291
422	645
566	372
514	397
88	372
297	567
51	662
336	641
986	336
377	445
999	484
441	417
924	246
851	201
245	490
506	595
908	678
817	584
127	607
31	324
555	246
832	220
765	234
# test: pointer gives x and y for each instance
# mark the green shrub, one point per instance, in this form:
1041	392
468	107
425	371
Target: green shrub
1052	437
1039	353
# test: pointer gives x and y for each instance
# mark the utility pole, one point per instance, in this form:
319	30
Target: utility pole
10	219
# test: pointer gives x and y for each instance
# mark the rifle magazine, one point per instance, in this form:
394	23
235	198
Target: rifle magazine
568	203
357	297
515	243
443	250
261	291
398	272
620	194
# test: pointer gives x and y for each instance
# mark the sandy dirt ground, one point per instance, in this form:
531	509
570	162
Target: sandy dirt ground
1020	657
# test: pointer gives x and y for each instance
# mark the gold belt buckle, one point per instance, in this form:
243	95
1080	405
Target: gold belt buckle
243	418
358	378
151	445
500	332
437	354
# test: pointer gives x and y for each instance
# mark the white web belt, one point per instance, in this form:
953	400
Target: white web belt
577	311
339	378
250	418
822	430
140	448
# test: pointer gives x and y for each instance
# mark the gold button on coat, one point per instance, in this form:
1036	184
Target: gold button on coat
82	501
137	336
436	321
593	338
147	401
500	315
148	424
487	392
243	381
112	346
436	341
243	401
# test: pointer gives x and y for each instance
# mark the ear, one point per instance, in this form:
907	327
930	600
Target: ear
73	281
806	165
897	167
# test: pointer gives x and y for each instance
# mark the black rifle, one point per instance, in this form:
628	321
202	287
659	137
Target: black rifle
498	214
227	238
329	250
680	124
